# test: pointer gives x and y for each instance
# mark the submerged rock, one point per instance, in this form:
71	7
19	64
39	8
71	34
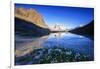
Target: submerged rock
53	55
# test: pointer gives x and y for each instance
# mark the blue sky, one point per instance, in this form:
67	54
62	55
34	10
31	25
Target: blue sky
69	17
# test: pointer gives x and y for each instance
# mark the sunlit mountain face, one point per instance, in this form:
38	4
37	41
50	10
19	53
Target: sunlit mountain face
69	17
53	34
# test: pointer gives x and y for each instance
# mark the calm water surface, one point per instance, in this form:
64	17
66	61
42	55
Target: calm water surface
26	45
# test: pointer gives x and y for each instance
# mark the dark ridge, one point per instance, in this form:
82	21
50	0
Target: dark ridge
87	30
26	28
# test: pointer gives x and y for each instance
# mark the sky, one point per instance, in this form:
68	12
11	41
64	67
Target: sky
68	17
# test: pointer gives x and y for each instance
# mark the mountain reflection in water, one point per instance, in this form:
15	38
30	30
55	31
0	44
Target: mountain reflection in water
53	48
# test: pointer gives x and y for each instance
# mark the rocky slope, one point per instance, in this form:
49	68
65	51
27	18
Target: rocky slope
29	21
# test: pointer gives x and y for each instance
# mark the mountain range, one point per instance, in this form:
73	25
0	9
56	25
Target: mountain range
29	22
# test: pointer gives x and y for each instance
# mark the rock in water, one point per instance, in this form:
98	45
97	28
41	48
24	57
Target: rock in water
30	22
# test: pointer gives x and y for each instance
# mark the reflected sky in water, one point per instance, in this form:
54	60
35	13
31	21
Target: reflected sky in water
82	44
73	41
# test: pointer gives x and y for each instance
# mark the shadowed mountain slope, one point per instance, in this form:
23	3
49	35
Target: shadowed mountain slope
85	30
29	22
